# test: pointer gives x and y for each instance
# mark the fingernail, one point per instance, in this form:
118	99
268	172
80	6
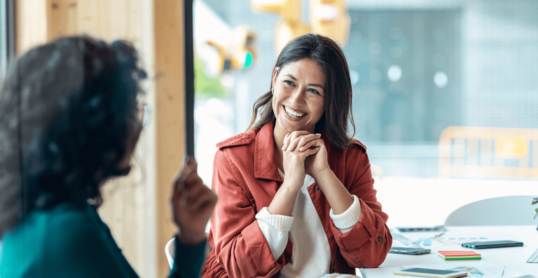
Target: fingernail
318	134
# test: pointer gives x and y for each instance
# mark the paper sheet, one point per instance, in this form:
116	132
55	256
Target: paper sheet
477	270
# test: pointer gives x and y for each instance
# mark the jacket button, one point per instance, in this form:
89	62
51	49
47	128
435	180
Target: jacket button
380	239
317	188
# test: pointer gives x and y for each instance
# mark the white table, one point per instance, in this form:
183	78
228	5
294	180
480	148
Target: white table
511	257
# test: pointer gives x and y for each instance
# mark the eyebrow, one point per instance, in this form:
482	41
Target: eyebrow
311	84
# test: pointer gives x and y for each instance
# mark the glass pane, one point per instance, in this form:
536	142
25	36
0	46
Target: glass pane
444	94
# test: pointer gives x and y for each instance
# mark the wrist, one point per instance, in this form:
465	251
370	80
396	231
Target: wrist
191	238
291	187
322	174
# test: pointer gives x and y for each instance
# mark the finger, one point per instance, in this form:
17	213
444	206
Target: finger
195	192
311	151
302	145
295	141
189	166
292	136
293	144
308	145
207	199
192	180
286	141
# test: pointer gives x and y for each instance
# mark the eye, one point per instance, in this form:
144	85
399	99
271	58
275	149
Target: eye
290	83
314	91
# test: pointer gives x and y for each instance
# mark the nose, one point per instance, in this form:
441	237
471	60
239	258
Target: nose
298	96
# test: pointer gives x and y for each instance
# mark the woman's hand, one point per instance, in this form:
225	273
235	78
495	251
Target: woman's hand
192	203
318	163
303	141
294	156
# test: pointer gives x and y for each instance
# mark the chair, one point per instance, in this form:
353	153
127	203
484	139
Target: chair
498	211
481	152
168	252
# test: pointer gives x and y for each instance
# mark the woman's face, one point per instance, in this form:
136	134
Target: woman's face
298	96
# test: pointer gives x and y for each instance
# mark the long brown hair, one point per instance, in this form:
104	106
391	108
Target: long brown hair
334	122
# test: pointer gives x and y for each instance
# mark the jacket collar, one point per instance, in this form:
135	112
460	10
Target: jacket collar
265	166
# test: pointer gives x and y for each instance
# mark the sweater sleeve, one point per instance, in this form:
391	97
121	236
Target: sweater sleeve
189	259
275	229
345	221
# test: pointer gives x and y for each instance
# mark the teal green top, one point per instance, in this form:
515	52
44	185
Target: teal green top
69	242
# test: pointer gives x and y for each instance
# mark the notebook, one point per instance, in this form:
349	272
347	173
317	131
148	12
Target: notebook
459	255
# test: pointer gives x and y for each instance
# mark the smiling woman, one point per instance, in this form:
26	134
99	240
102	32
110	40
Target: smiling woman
296	191
327	76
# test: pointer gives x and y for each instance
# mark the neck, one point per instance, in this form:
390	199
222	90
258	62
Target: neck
278	137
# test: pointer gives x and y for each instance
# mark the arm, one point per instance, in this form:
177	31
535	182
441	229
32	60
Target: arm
368	242
275	229
239	246
189	259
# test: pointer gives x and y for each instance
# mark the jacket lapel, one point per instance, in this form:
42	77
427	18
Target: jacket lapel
265	166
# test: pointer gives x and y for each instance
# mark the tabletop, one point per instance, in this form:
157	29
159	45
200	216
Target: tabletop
514	258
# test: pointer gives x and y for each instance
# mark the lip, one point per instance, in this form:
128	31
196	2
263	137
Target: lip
290	117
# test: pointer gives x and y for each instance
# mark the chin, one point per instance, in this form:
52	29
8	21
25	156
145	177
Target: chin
291	126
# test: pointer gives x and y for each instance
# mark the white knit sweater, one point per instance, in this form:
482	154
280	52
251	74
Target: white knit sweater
311	255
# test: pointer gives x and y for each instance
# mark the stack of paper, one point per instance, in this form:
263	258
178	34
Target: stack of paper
459	255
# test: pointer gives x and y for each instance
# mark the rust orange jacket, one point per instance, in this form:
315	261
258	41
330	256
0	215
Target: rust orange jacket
246	178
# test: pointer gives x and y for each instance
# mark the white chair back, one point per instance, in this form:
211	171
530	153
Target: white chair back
498	211
169	252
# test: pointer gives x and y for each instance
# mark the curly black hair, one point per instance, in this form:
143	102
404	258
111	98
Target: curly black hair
67	110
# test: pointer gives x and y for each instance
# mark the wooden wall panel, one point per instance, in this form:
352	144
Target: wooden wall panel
31	24
170	110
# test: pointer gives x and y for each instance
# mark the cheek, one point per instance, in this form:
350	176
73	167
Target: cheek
318	108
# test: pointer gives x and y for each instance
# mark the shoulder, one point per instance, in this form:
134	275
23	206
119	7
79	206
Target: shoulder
70	228
68	215
356	145
355	154
238	140
68	225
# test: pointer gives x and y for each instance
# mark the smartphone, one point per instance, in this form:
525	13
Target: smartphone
426	272
438	228
409	250
492	244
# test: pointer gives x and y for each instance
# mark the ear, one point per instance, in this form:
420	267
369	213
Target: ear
275	75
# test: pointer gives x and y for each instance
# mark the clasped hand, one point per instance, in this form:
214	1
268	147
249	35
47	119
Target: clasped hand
303	153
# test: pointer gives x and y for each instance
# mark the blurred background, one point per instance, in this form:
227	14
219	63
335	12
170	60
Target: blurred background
445	94
444	91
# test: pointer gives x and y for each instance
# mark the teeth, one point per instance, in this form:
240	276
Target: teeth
293	114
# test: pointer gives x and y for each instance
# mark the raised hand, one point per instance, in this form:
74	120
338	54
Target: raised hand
294	158
317	163
192	203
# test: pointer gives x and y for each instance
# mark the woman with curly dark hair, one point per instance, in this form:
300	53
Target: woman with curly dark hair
70	120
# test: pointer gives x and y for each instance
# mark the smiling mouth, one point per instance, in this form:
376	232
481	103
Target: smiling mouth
293	114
